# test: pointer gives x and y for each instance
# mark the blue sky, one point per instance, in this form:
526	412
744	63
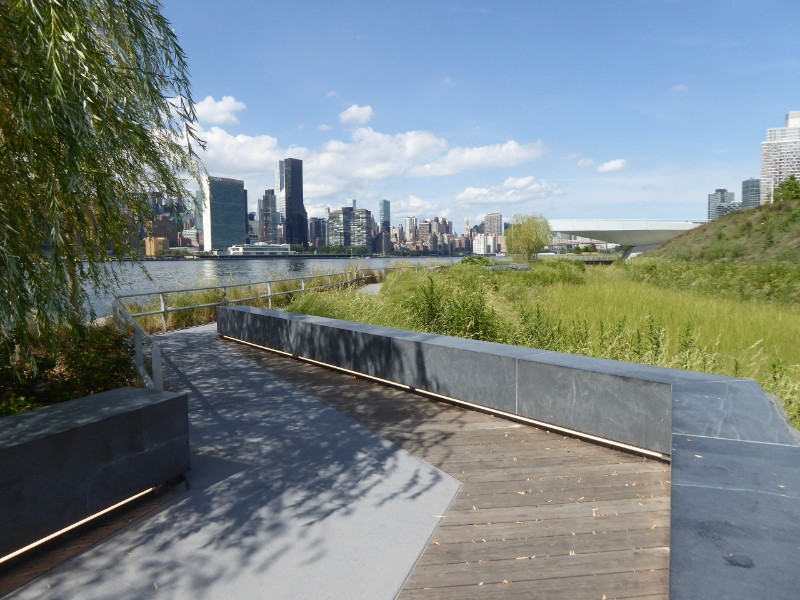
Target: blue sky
568	108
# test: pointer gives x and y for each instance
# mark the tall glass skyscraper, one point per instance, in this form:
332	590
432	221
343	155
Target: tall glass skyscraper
289	196
384	216
224	213
780	156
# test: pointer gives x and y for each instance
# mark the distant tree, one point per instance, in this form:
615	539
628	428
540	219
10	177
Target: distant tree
95	112
528	235
789	189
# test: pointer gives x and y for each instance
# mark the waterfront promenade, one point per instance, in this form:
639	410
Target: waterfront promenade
309	483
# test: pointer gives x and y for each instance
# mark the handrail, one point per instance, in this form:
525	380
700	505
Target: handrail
164	310
143	341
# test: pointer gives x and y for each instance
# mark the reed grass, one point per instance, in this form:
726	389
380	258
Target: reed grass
599	312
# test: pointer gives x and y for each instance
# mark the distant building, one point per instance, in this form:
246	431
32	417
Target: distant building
289	199
384	216
260	249
493	224
156	246
317	232
339	226
721	202
268	218
484	244
751	193
410	229
224	213
780	156
361	228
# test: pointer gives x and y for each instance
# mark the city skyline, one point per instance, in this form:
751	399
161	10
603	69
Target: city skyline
600	110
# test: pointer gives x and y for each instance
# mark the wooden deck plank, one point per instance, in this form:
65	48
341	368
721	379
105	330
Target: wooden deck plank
596	519
642	586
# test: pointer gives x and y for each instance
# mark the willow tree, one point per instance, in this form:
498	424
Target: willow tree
527	235
95	112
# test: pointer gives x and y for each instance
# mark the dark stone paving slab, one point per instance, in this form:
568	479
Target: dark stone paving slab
288	498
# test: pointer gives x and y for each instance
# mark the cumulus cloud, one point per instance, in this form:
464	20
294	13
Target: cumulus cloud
459	159
219	112
612	165
585	162
513	190
356	115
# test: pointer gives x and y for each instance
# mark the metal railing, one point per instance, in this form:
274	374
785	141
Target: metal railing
147	352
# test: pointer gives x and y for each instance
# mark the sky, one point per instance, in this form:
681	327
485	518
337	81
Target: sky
572	109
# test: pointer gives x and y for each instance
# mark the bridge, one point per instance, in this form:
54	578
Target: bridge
637	233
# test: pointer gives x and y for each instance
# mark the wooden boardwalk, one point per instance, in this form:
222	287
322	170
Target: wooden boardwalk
539	515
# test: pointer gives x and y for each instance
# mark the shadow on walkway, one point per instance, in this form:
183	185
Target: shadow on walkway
288	498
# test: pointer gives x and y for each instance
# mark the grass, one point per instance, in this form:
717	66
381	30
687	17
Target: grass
99	359
600	312
767	233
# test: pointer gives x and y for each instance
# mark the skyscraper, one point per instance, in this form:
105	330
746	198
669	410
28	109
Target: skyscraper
289	200
411	228
751	193
268	218
384	216
224	213
780	156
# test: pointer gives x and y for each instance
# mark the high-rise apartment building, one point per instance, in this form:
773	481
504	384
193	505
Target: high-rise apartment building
289	200
780	156
751	193
721	202
493	224
224	213
268	217
361	228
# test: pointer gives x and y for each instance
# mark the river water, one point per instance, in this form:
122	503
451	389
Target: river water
181	274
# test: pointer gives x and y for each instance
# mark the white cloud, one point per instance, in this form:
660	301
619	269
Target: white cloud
512	191
612	165
331	94
325	127
585	162
679	88
508	154
356	115
222	112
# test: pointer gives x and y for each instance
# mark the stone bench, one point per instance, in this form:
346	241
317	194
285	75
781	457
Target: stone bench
65	462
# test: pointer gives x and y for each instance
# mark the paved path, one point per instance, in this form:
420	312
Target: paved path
309	483
288	499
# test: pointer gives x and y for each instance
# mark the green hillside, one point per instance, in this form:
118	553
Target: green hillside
770	233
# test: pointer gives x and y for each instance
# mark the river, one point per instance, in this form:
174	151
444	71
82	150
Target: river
181	274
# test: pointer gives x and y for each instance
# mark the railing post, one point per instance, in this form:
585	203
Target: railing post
269	295
137	348
224	295
115	316
163	313
158	373
330	282
302	287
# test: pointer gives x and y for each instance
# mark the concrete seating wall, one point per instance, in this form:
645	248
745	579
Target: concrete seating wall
65	462
735	490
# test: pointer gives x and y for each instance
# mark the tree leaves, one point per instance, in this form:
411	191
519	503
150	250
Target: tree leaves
86	131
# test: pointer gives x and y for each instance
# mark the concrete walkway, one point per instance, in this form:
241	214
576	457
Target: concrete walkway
288	498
